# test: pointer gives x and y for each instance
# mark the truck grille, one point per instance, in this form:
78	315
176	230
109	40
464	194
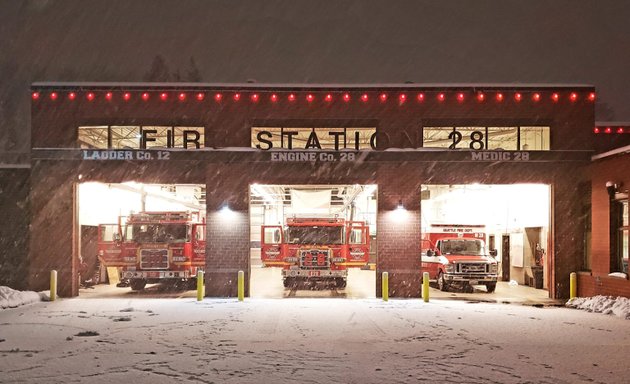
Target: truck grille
473	267
154	258
314	258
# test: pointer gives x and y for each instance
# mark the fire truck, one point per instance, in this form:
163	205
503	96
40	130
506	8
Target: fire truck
456	255
315	249
154	247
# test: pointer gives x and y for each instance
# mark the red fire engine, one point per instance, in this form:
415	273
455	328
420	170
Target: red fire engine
315	249
456	254
153	247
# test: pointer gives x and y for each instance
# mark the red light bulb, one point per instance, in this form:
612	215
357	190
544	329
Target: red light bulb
481	97
72	96
620	130
127	96
53	96
254	97
90	96
365	97
273	98
236	97
402	98
608	130
310	97
555	97
218	97
420	97
591	96
291	97
383	97
109	96
145	96
181	96
518	96
200	96
163	96
536	97
441	97
573	97
596	130
35	95
346	97
499	97
328	97
460	97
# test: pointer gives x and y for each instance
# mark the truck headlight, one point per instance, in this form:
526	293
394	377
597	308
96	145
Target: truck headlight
449	268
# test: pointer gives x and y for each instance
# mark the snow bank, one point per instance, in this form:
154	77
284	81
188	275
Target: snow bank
619	306
10	298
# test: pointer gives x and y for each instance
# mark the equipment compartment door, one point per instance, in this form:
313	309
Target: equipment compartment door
358	239
270	245
198	250
109	245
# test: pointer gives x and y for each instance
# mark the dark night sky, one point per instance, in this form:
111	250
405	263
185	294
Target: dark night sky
360	41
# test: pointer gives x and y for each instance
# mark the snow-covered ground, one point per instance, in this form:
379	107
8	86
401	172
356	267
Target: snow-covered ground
10	298
308	340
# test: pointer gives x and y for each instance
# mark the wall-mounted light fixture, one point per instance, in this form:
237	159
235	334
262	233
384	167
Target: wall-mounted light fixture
400	206
226	211
611	188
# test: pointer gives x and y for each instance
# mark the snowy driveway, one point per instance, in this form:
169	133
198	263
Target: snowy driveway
308	340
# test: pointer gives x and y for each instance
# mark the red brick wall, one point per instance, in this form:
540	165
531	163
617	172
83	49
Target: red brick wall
589	285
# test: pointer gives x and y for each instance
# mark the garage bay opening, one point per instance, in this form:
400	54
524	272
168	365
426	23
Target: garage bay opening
140	239
313	240
487	238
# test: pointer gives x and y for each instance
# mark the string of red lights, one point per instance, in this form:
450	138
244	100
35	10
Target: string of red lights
328	97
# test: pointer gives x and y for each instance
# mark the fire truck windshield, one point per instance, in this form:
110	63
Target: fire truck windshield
462	247
315	235
158	233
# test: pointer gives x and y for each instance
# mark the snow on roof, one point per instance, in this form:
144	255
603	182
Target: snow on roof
298	86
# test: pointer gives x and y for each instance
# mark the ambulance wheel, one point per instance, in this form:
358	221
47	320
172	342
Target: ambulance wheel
491	287
138	285
442	284
340	282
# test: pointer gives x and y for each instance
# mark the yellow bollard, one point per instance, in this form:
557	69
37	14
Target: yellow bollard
53	285
200	285
573	285
241	285
425	286
385	284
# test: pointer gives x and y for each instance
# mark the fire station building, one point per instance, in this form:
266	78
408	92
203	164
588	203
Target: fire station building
524	161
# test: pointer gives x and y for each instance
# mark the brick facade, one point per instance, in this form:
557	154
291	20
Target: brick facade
228	172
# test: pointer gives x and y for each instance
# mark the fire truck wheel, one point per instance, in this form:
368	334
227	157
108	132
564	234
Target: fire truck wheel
491	287
442	284
340	282
289	282
138	285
